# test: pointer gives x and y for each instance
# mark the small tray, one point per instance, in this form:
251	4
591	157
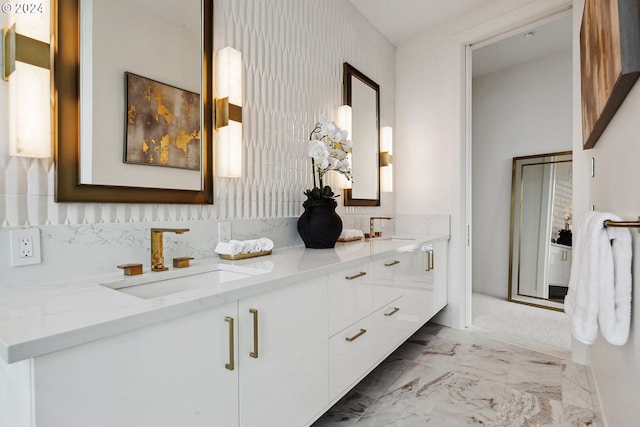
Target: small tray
350	239
244	256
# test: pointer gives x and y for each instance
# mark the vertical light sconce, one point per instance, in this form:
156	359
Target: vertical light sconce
344	122
229	113
26	61
386	159
344	118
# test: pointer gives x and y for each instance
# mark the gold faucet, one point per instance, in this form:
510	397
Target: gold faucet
372	232
157	258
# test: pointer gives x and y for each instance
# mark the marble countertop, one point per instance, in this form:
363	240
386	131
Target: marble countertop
48	317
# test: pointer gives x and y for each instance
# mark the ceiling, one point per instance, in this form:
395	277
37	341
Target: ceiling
401	20
548	39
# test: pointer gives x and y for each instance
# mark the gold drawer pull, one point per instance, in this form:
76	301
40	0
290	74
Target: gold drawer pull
231	365
356	336
392	312
391	263
254	353
430	260
355	276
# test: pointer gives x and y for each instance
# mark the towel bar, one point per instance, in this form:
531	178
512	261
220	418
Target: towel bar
609	223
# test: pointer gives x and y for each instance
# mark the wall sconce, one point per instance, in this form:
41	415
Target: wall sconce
26	67
344	122
386	159
229	113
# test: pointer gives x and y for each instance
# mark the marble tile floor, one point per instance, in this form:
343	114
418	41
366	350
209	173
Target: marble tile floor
447	377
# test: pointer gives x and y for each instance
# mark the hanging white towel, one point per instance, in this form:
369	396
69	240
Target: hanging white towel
600	282
614	316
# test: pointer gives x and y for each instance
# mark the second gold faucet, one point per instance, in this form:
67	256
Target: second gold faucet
157	256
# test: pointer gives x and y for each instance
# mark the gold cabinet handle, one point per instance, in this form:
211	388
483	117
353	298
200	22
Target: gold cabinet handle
392	312
254	353
231	365
389	264
356	336
430	260
355	276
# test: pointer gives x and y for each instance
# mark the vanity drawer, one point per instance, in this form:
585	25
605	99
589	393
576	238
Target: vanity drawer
350	297
350	355
393	324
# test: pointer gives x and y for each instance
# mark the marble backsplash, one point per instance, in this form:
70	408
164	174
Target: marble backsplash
84	250
73	251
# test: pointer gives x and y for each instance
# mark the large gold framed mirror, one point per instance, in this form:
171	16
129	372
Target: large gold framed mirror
75	95
363	95
541	224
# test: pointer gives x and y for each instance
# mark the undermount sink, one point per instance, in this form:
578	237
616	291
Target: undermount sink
154	285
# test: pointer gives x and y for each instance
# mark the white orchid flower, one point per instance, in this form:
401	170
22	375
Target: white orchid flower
318	151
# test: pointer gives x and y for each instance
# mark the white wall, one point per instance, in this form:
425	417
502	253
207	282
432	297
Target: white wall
429	116
519	111
293	51
613	189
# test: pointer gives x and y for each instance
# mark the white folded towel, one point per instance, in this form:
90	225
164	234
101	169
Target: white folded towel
228	248
266	244
351	233
600	282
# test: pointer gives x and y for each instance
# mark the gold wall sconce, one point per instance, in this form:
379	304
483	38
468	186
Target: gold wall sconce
386	159
229	113
26	65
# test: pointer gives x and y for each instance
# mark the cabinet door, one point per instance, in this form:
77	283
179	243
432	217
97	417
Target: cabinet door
283	355
169	374
439	267
350	297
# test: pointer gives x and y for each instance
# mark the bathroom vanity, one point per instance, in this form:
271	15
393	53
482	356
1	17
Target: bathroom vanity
270	341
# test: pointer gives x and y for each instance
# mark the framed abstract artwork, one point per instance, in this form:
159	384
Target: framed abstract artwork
162	125
609	60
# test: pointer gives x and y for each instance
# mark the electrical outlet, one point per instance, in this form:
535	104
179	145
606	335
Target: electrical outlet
224	231
25	247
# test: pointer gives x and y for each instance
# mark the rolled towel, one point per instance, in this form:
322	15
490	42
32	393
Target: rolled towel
266	244
245	245
254	245
228	248
351	233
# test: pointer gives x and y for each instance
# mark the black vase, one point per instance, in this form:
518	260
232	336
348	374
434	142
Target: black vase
320	225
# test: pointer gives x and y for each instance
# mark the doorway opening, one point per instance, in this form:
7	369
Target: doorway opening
518	103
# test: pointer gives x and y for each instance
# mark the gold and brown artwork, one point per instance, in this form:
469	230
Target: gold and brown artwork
163	124
607	70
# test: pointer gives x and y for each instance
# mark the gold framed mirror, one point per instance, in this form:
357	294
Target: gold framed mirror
363	95
541	223
67	123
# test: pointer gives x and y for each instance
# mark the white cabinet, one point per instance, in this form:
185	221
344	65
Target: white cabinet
559	265
169	374
373	313
279	358
283	355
